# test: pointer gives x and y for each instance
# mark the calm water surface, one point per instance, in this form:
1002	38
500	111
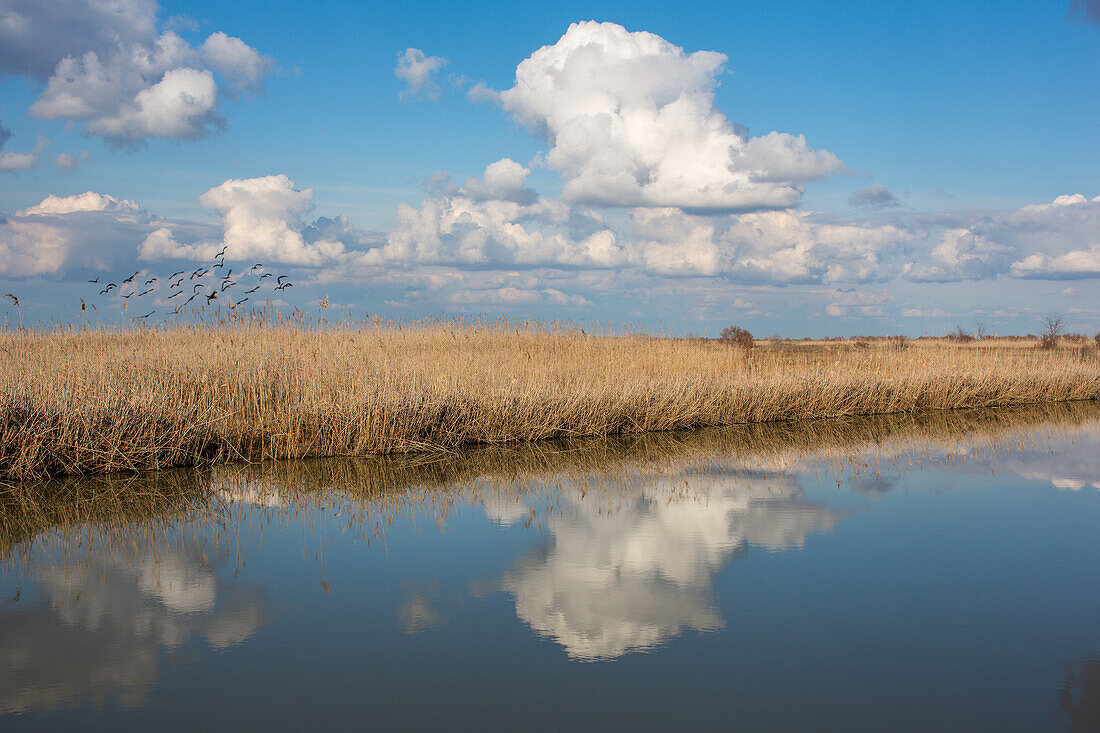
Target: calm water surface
931	573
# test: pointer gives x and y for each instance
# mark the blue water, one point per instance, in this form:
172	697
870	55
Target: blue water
935	573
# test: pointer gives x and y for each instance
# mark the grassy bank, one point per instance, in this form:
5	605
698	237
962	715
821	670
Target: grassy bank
74	402
122	510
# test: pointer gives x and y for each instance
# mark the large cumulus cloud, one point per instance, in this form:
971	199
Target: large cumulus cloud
261	219
105	64
630	120
63	233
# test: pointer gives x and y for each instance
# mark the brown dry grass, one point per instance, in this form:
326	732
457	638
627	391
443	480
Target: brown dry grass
74	402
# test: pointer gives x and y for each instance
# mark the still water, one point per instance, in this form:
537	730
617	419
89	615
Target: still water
939	572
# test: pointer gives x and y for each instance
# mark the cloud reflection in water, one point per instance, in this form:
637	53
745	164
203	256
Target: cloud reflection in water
100	628
610	583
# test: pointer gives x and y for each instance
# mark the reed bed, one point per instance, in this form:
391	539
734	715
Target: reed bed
94	401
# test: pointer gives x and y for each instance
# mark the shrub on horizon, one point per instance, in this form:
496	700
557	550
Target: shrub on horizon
737	336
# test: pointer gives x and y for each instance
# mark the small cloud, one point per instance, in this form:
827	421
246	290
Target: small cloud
504	180
439	185
924	313
482	93
66	163
852	302
181	23
1069	292
17	161
874	195
10	161
416	69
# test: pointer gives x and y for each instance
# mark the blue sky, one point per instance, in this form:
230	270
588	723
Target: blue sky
959	122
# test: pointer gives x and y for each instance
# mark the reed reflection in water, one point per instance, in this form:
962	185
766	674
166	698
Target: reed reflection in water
110	576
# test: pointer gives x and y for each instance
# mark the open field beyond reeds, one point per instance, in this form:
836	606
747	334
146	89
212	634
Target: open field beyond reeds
74	402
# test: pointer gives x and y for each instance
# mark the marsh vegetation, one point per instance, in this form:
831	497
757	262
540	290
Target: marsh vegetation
92	401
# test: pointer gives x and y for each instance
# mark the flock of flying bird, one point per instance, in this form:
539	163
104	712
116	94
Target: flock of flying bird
219	283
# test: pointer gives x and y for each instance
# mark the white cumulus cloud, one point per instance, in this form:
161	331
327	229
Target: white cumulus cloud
769	247
1051	241
504	181
104	63
495	221
961	254
630	120
1066	235
261	219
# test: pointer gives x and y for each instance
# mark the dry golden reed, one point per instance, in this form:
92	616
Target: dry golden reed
89	401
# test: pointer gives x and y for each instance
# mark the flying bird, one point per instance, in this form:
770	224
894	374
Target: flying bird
212	296
239	302
96	281
253	289
228	284
266	274
14	300
150	280
191	298
147	314
256	266
104	291
197	286
176	284
146	292
175	273
280	278
131	278
178	292
124	297
284	286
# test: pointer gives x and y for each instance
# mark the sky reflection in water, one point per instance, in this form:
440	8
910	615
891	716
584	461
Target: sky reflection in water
935	571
